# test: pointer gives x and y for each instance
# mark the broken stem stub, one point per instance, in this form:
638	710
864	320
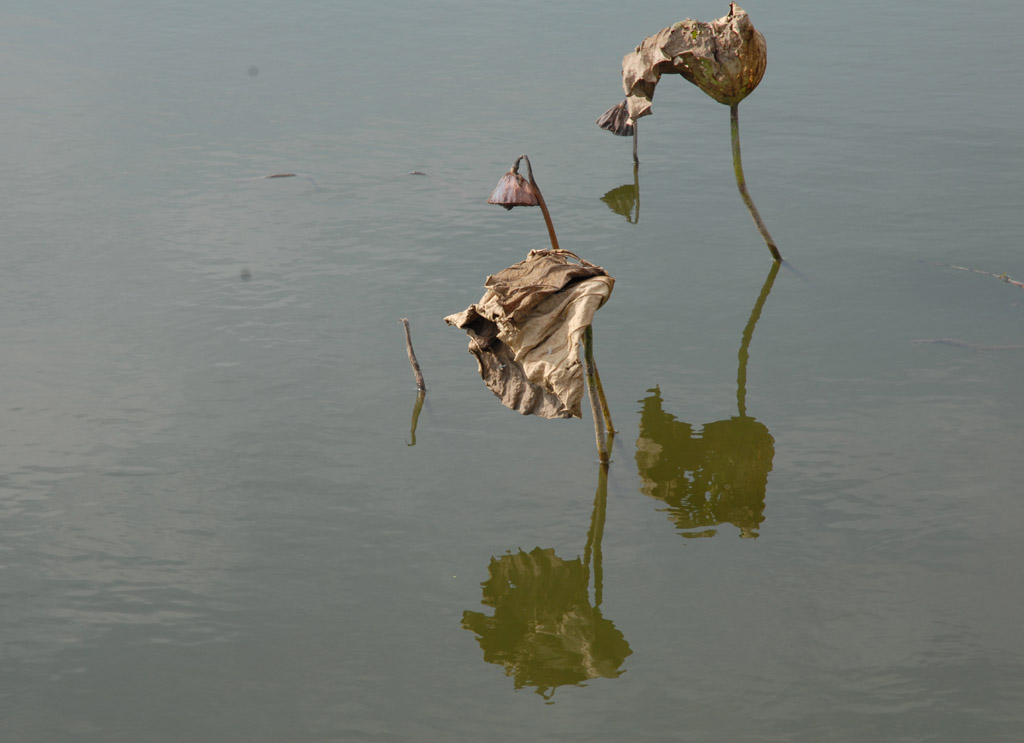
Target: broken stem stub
420	384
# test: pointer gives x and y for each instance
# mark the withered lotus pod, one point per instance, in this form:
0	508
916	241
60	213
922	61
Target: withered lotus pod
616	120
513	190
725	58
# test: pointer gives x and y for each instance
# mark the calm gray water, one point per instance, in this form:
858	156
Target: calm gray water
213	526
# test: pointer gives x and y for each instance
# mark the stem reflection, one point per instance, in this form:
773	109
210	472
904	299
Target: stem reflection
716	473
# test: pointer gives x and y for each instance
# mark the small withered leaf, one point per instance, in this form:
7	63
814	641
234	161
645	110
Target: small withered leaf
616	120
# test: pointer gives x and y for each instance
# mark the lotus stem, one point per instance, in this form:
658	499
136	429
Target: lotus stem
636	158
591	372
540	201
737	164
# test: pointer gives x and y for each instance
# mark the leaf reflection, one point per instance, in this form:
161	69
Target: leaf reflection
718	474
714	476
625	199
545	631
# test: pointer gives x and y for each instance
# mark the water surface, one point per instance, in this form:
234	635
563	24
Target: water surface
214	526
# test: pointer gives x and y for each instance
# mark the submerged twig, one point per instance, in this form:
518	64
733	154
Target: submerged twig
1001	276
265	177
420	384
309	178
969	346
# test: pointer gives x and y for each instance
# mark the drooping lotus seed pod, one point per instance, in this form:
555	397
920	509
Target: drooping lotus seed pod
513	190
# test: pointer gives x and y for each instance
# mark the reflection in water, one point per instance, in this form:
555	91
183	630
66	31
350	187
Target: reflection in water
625	199
416	408
545	631
714	476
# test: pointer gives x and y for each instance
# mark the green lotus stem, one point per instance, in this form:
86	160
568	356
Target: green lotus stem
737	164
543	204
748	334
591	372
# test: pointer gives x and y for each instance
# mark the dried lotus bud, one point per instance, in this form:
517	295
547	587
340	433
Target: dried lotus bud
513	190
